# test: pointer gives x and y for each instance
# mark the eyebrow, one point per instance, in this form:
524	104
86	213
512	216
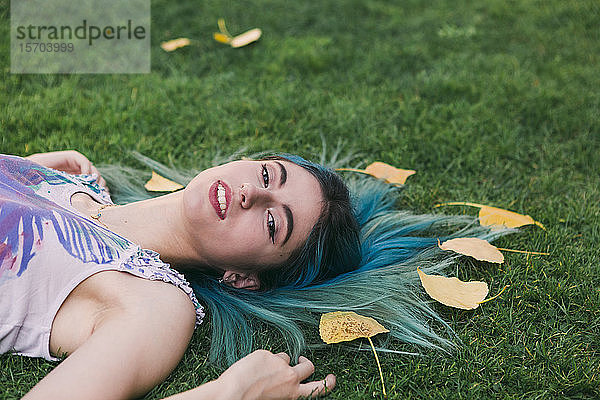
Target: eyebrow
288	213
283	173
290	223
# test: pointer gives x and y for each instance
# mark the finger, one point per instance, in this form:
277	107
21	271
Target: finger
99	178
285	357
78	166
318	388
102	182
304	368
85	167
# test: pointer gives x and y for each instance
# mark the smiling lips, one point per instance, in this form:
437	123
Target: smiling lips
219	196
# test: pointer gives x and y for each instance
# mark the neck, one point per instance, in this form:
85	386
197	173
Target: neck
154	224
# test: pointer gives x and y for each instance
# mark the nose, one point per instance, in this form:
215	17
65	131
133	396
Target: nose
252	195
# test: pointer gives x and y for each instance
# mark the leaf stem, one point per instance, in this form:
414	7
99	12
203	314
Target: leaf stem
459	203
539	224
378	366
362	171
524	252
223	28
492	298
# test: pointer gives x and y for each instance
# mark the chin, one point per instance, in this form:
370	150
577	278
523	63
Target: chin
195	202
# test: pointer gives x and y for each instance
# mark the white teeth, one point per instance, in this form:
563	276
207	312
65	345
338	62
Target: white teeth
221	198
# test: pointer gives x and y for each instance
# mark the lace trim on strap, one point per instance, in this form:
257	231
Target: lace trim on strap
150	266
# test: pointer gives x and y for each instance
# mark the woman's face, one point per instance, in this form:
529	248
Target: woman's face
245	215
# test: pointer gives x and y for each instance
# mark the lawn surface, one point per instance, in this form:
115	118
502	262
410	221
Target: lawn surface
493	102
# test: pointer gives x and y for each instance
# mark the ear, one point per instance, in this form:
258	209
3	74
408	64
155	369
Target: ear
241	280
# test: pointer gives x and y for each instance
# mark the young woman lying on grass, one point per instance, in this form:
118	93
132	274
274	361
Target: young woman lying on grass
277	240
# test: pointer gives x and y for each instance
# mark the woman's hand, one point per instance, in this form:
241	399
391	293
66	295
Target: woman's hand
69	161
267	376
262	375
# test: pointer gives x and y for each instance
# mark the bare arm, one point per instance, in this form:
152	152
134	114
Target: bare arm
127	355
133	350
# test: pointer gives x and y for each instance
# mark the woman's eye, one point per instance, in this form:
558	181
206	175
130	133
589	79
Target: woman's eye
265	175
271	226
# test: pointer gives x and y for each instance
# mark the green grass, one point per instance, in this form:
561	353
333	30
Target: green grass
493	102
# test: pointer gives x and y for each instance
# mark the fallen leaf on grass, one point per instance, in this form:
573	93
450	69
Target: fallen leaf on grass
161	184
220	37
246	38
493	216
241	40
489	216
175	44
474	247
453	292
344	326
384	171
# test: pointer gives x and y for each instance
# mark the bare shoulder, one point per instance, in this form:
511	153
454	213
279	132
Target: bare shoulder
136	335
143	295
111	295
161	315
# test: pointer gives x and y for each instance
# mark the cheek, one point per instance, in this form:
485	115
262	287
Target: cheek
242	237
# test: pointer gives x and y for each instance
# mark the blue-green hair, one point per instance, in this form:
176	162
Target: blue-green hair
364	259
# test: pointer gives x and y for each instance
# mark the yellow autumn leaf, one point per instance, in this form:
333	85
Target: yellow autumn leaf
388	173
238	41
175	44
493	216
246	38
344	326
474	247
221	37
384	171
489	216
161	184
453	292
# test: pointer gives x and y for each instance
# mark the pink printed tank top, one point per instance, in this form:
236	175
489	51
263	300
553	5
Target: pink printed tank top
47	248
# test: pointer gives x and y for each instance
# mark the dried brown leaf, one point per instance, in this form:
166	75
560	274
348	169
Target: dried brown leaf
494	216
241	40
174	44
344	326
389	173
246	38
453	292
221	37
474	247
161	184
384	171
